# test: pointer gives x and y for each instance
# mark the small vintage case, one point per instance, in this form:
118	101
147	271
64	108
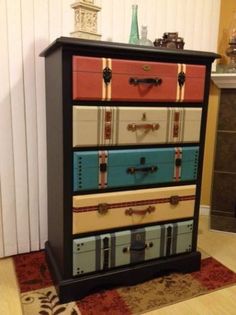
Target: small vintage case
133	80
95	212
106	251
131	167
115	125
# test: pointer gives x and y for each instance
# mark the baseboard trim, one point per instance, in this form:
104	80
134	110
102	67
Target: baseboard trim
204	210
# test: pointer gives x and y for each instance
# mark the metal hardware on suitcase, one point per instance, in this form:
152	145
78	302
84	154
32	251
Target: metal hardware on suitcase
110	125
131	167
96	212
133	80
106	251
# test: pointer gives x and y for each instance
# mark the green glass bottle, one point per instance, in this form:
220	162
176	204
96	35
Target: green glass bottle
134	34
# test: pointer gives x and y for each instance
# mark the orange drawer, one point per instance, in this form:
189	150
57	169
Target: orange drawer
118	80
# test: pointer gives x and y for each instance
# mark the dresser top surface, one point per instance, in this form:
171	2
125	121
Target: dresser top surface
126	50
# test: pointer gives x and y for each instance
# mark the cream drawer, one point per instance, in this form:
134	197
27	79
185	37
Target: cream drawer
93	125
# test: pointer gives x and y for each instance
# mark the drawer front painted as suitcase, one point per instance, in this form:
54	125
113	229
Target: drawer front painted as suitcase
104	79
95	212
106	251
123	168
107	125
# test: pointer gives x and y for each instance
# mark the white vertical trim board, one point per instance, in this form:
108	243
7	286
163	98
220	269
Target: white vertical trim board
151	19
106	15
118	25
26	28
42	31
54	19
27	15
9	237
16	82
67	19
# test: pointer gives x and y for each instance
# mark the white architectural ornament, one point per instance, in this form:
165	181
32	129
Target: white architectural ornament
86	19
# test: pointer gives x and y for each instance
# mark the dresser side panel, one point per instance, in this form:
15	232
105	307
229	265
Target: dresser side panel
55	158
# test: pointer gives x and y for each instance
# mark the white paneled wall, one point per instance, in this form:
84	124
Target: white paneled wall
26	28
195	20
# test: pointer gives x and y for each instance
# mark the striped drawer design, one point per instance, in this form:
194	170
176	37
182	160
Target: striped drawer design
95	212
110	125
124	168
106	251
131	80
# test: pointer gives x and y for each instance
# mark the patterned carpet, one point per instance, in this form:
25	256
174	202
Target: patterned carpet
38	295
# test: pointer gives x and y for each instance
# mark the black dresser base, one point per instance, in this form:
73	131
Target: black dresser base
76	288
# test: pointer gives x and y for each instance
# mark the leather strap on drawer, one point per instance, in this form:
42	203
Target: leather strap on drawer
171	239
181	83
133	203
168	240
105	253
107	124
138	240
103	156
176	125
177	164
106	83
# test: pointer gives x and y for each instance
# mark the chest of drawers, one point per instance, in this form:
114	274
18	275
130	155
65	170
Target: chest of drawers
125	141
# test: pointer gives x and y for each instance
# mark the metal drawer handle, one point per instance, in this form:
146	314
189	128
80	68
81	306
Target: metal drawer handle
153	81
137	248
103	208
174	200
133	170
134	127
132	211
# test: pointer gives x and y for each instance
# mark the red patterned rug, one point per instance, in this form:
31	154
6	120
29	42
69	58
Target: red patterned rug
38	295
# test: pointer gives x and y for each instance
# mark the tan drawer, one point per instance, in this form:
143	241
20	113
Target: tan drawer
117	209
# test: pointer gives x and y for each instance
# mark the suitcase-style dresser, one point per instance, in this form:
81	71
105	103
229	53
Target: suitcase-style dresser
125	141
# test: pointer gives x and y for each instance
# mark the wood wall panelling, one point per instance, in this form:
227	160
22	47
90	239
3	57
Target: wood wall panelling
189	18
18	122
9	77
67	19
9	238
54	19
28	51
41	24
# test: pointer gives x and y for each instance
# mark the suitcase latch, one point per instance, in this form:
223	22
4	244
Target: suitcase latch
181	78
103	167
178	162
174	200
103	208
107	75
